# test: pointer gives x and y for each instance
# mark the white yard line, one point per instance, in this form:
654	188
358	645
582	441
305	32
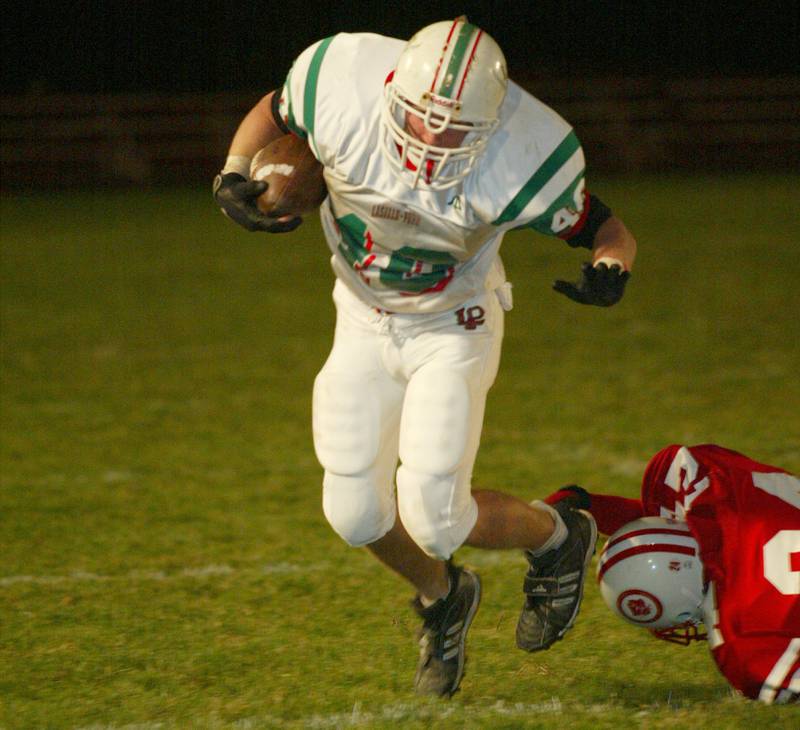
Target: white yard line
133	576
359	716
475	558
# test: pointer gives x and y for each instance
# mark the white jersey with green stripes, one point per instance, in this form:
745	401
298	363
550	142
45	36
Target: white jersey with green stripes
411	250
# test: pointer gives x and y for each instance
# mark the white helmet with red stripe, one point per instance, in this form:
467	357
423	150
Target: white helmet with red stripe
452	76
650	574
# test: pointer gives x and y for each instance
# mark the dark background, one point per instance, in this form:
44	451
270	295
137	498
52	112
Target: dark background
110	46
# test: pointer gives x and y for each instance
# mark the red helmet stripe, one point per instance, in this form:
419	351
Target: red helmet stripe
649	531
639	549
444	53
469	62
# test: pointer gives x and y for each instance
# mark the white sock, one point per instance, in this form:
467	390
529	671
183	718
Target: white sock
559	534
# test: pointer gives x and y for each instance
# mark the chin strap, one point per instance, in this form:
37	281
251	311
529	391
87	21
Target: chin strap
683	634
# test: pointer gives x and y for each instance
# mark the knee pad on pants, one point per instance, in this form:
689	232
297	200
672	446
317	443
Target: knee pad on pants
436	514
355	508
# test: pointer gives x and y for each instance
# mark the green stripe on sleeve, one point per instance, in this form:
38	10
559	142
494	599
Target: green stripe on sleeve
290	120
544	222
310	92
539	179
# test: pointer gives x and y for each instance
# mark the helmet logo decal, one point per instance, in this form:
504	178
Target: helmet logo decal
639	606
442	101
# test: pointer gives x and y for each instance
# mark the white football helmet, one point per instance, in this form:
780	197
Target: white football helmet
650	574
452	76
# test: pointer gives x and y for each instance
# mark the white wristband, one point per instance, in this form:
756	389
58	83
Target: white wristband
237	163
610	261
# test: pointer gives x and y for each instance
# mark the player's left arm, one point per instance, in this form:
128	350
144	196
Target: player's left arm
613	248
556	201
548	193
614	242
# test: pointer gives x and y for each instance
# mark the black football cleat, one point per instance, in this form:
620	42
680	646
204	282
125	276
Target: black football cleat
443	634
554	583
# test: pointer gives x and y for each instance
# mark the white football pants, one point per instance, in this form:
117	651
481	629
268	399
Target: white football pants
407	387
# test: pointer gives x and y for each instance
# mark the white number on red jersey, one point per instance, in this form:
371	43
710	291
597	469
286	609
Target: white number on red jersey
782	486
782	551
782	561
682	478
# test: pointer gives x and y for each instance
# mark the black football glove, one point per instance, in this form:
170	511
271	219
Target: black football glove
236	197
599	285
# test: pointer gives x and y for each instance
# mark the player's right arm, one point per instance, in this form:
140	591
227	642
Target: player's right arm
256	130
234	192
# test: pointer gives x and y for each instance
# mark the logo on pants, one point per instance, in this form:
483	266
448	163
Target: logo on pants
470	317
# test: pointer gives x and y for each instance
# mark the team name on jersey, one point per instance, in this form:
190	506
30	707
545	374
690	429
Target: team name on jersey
395	214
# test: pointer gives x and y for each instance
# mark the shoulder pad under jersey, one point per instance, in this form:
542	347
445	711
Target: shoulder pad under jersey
333	91
533	171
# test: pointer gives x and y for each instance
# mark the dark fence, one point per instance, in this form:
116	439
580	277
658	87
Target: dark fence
626	125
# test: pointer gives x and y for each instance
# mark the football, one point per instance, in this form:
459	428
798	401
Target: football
294	176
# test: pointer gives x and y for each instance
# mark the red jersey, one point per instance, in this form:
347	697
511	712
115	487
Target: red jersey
745	517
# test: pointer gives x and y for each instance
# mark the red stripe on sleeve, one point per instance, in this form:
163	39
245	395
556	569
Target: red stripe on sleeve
579	224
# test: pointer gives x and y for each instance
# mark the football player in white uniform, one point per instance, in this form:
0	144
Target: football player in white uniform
430	155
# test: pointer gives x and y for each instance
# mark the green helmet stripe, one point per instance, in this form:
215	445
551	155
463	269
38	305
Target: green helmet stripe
460	47
539	179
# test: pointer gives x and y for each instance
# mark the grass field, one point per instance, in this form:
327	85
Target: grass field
164	560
